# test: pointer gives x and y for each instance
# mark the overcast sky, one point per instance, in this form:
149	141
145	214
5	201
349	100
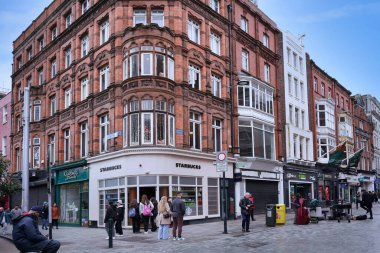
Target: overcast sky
342	36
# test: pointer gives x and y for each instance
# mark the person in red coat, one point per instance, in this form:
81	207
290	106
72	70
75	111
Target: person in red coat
252	207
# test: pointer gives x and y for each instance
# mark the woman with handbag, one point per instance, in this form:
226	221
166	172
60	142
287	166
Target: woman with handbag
163	218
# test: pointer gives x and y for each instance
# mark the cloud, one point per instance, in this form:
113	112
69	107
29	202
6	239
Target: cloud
342	12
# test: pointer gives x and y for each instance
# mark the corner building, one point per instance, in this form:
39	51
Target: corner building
132	98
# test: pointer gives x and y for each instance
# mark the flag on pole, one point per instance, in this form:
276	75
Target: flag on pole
337	155
354	160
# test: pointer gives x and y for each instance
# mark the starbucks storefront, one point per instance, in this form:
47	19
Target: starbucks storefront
71	185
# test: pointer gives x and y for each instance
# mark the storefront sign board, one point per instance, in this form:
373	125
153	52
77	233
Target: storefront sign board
71	175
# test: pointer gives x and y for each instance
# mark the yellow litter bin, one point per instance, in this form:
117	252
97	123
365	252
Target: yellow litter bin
280	214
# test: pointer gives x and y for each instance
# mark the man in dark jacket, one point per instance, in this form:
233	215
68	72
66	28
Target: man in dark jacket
45	216
120	210
110	214
245	204
367	202
178	211
27	237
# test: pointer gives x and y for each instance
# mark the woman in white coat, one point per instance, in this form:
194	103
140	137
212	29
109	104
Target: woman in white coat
163	218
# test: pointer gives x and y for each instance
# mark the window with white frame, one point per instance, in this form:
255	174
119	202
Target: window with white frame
83	139
323	89
66	145
325	116
215	43
217	135
297	116
134	129
53	68
158	17
67	98
29	52
41	78
37	113
54	33
194	77
193	31
214	4
256	95
266	73
171	68
68	57
4	146
103	133
104	32
315	84
52	105
296	87
290	84
146	64
324	145
147	128
266	40
195	131
84	89
134	65
160	65
5	114
139	17
41	43
302	87
244	24
216	86
104	78
160	122
171	129
68	20
85	6
36	156
256	140
84	45
244	60
52	149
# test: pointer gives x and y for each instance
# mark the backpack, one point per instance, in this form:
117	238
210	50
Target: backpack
146	210
132	212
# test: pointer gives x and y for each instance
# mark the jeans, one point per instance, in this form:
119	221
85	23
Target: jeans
177	223
245	221
145	220
163	232
113	228
118	227
5	228
45	223
52	247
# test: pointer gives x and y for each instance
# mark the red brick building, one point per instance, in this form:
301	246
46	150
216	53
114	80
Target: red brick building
137	93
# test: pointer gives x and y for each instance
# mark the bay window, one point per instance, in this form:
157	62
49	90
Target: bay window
193	31
217	135
158	17
103	133
146	64
194	77
104	78
139	17
171	130
216	85
66	145
147	128
171	68
134	65
83	139
195	131
256	139
125	125
325	116
160	65
324	146
134	128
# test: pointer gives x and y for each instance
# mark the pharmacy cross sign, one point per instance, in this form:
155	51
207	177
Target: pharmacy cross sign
221	161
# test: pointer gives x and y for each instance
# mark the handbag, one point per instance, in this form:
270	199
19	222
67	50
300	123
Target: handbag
166	215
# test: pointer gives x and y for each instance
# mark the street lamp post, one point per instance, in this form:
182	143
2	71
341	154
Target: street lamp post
25	153
49	191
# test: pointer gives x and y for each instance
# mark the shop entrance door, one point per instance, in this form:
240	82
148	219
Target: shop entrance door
149	191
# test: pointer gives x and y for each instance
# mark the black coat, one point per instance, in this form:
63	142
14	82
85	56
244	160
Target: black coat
26	235
120	211
178	208
110	213
367	199
244	202
45	212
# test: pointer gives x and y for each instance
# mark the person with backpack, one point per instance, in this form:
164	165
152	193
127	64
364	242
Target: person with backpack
146	208
154	214
133	213
110	214
178	210
119	217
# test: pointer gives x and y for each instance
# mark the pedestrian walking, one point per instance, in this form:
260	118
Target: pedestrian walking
252	207
367	203
145	209
27	237
55	215
5	220
134	214
119	217
245	205
45	216
15	212
358	199
154	214
178	210
163	218
110	214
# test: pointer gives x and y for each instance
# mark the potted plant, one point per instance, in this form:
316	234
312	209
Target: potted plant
315	206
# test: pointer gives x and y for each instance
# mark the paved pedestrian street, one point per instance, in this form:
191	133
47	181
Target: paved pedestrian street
326	236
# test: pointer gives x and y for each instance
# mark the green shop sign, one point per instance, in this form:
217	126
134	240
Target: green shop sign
71	175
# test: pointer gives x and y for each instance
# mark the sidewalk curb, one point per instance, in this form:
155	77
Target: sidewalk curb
7	238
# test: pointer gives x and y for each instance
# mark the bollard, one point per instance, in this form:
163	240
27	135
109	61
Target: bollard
110	234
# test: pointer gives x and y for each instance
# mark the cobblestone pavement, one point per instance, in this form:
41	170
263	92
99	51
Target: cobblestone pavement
326	236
